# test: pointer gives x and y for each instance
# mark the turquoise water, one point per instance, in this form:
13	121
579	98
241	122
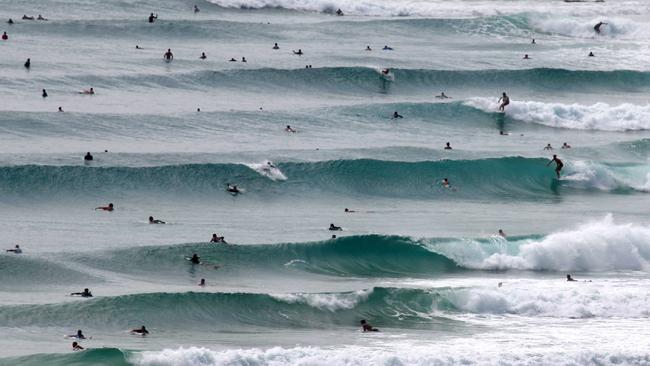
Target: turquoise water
420	261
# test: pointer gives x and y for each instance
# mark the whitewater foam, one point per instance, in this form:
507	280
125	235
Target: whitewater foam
326	301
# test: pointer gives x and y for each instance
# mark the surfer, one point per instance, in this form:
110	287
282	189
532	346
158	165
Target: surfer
152	18
138	47
275	46
289	129
79	335
232	189
548	147
142	330
597	27
397	115
217	239
502	234
44	94
28	63
105	208
591	54
25	17
339	12
335	228
202	283
526	57
195	259
168	56
368	48
15	250
5	36
40	17
386	48
90	91
10	21
570	279
88	157
349	211
76	346
566	146
448	146
505	100
155	221
299	52
84	293
60	109
232	59
196	8
243	59
366	327
558	165
445	183
333	237
203	56
533	41
442	96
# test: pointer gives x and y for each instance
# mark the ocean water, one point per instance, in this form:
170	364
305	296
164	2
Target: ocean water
421	262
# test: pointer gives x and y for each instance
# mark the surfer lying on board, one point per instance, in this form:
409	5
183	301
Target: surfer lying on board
217	239
232	189
367	327
105	208
85	293
15	250
505	100
79	335
155	221
335	228
76	347
558	165
143	331
195	259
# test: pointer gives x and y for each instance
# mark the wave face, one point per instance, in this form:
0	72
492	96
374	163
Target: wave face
514	177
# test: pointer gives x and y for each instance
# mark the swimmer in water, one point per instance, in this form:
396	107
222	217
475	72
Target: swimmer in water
108	208
448	146
505	100
142	331
84	293
155	221
88	157
597	27
15	250
566	146
289	129
203	56
76	347
366	327
217	239
335	228
548	147
168	56
558	165
276	47
152	18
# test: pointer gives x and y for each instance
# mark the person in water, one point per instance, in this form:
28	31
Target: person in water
289	129
368	48
88	157
597	27
40	17
566	146
105	208
232	59
533	41
299	52
203	56
15	250
339	12
44	94
232	189
349	211
397	115
202	283
502	234
195	259
155	221
138	47
558	165
335	228
366	327
196	8
276	47
77	347
152	18
5	36
526	57
548	147
570	279
84	293
90	91
591	54
79	335
445	183
25	17
142	330
217	239
10	21
448	146
505	100
243	59
168	56
28	63
442	96
60	109
386	48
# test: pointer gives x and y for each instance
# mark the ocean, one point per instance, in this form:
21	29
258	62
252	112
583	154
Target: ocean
420	260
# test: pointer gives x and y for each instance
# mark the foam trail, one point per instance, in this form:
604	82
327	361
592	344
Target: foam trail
600	116
269	170
584	28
